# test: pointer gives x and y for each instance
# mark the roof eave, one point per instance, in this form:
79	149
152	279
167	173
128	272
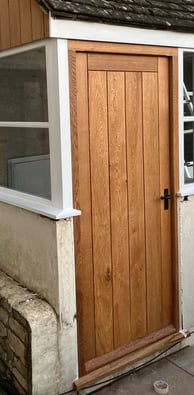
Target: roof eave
83	18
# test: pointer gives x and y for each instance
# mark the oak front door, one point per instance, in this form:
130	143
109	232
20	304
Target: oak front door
123	239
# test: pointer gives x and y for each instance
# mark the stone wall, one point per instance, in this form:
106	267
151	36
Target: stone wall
15	362
29	341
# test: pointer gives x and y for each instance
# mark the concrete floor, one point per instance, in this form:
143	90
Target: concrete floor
176	369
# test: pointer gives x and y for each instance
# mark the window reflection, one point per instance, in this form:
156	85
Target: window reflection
188	151
188	84
23	93
188	100
25	160
24	148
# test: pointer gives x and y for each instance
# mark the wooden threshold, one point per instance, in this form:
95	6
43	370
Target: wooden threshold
127	349
127	360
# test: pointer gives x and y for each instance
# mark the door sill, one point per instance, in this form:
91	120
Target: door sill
127	349
135	356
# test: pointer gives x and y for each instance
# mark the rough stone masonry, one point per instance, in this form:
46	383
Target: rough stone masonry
28	340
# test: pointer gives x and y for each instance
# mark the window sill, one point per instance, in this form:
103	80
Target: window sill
36	205
186	191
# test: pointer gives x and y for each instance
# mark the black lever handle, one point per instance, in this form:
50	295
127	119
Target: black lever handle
166	198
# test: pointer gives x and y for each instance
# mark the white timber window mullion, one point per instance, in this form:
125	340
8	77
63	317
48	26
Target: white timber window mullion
59	123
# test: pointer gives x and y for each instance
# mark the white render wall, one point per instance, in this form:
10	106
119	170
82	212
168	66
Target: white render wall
38	252
28	251
186	261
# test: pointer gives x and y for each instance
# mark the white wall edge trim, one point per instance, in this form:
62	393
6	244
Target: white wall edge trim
91	31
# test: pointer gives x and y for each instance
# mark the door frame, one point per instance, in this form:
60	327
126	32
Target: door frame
172	54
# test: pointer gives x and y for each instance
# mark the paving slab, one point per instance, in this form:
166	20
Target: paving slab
177	370
184	359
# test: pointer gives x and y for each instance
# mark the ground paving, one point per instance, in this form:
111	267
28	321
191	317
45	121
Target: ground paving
177	370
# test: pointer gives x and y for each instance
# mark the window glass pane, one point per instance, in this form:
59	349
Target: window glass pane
188	84
188	152
23	93
24	160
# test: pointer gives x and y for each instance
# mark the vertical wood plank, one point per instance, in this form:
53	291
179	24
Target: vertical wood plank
101	211
46	25
15	22
82	200
165	182
119	207
37	21
136	204
152	200
26	21
5	40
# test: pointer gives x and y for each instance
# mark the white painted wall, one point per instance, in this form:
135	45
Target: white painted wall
186	258
38	252
28	251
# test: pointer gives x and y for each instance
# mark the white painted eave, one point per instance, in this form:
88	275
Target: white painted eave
90	31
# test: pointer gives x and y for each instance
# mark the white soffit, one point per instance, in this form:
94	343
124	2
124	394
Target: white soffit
77	30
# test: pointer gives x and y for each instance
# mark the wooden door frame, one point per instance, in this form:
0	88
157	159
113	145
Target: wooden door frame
172	54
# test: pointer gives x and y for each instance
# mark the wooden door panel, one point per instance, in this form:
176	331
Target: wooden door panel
83	224
121	165
152	201
119	63
101	212
135	165
119	207
164	144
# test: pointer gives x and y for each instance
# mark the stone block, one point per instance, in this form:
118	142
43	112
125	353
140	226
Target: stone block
3	330
4	303
10	357
19	330
19	388
21	368
20	379
17	346
20	318
4	316
3	354
4	343
2	367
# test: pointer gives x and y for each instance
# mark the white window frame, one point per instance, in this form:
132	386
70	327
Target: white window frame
60	206
185	189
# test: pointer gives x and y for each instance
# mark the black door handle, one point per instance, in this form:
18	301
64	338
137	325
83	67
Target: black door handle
166	198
